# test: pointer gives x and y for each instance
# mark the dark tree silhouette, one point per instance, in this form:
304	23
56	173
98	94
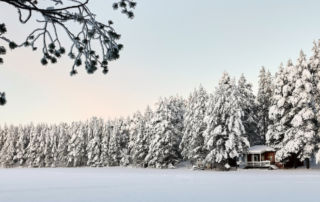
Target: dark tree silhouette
93	45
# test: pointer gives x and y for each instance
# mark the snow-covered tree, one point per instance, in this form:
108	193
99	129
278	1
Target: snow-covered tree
77	145
137	133
3	136
192	142
62	149
279	108
51	146
118	143
33	146
293	128
8	151
124	142
36	147
143	139
167	126
263	100
314	64
225	135
299	139
248	106
114	144
94	130
106	133
22	144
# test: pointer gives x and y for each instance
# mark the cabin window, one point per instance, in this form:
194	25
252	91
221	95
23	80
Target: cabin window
256	157
270	158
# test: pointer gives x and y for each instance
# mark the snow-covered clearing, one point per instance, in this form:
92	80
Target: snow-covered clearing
152	185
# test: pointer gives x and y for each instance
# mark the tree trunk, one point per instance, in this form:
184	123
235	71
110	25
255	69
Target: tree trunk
294	162
307	162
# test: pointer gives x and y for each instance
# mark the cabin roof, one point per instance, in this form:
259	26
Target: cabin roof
259	149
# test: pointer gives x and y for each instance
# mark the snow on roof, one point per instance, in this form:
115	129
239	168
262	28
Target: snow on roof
258	149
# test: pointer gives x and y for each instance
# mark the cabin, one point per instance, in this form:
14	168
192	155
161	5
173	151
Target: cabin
260	156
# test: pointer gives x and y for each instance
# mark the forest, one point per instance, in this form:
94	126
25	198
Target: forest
205	128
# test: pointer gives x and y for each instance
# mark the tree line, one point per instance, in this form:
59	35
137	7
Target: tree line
206	128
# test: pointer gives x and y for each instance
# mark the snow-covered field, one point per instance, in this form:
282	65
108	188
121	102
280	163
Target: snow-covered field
152	185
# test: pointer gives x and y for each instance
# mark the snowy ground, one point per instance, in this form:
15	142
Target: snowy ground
152	185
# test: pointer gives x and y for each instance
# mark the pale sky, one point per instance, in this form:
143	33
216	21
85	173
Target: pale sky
170	48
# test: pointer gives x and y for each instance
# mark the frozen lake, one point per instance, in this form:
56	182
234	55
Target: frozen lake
153	185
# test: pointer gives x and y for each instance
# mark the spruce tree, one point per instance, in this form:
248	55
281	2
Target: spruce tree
124	142
143	140
51	146
192	142
62	149
118	143
8	152
314	64
225	138
263	102
293	128
278	109
136	143
77	145
167	126
104	156
95	127
22	143
248	105
299	139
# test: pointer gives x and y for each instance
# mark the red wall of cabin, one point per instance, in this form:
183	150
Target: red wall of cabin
268	155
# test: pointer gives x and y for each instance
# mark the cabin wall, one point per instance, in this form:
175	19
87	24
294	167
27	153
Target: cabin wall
249	157
264	157
269	156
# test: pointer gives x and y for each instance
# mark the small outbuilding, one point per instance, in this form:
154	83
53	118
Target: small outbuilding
260	156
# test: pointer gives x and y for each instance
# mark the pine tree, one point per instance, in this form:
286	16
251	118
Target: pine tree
107	130
293	129
33	146
3	136
124	142
225	138
22	144
114	144
53	158
299	139
51	146
95	129
8	152
279	109
263	102
143	140
192	142
62	149
77	145
167	126
249	108
118	143
37	149
314	64
136	130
